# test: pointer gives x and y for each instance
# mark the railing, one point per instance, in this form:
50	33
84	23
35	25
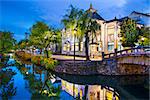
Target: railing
125	52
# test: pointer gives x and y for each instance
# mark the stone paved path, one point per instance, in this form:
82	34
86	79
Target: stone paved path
63	57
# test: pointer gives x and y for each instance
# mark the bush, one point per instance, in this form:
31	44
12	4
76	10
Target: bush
49	63
23	55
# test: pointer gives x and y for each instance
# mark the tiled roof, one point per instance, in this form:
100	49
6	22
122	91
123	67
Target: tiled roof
134	12
93	13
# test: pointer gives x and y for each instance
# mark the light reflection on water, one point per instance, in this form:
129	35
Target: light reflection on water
89	87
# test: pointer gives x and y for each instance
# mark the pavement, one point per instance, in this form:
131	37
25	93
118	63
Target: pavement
64	57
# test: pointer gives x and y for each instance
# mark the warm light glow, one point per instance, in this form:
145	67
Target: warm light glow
142	38
27	73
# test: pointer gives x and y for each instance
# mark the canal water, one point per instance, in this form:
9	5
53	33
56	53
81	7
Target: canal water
30	80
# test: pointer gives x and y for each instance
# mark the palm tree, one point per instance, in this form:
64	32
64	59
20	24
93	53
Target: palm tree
70	22
83	23
88	25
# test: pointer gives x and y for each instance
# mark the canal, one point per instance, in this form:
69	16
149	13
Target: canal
34	82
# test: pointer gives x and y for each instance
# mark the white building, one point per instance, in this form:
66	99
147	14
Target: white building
106	40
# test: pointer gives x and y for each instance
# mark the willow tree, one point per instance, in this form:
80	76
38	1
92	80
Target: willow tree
129	33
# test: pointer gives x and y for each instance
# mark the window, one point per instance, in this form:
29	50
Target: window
110	38
76	46
65	47
98	95
110	47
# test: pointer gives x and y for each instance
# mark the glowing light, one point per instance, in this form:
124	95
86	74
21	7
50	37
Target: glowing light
27	73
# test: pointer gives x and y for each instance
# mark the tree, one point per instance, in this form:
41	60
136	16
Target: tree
129	33
6	41
51	37
22	44
88	25
36	37
57	39
70	22
81	24
144	34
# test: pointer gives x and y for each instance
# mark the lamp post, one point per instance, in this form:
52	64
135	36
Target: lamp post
74	44
74	59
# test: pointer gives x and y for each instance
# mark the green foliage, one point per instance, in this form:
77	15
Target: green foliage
49	63
145	34
51	91
7	88
43	36
71	19
23	55
129	33
36	37
88	26
22	44
6	41
81	24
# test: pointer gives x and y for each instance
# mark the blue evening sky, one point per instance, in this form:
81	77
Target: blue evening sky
18	16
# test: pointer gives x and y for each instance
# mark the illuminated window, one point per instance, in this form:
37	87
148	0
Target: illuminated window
110	38
110	46
65	47
72	47
109	95
76	46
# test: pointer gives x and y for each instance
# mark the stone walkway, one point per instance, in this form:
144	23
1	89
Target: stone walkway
64	57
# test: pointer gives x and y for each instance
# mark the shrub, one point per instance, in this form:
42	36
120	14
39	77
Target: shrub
23	55
49	63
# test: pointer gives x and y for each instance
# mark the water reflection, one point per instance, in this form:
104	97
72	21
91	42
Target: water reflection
49	85
122	87
90	92
38	81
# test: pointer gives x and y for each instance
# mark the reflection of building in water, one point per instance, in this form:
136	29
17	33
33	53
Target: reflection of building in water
94	92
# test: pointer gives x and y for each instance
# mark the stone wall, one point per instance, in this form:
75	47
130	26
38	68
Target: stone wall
120	66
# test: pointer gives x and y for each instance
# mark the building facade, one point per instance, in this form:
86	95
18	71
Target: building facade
105	40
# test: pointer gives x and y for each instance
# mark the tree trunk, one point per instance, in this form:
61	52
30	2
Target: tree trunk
79	46
87	46
56	49
46	51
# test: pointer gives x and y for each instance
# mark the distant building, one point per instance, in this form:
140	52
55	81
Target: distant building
141	18
107	38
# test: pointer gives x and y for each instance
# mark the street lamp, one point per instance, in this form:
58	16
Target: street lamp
74	43
75	30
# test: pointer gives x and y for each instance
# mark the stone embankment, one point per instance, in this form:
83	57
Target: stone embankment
106	67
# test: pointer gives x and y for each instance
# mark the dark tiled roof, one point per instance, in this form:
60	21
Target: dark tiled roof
93	13
134	12
115	19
